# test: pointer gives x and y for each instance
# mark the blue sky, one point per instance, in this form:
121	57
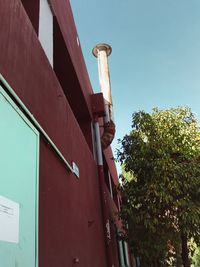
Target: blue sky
156	52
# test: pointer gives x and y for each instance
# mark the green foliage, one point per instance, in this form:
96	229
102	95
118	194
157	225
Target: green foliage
196	258
161	158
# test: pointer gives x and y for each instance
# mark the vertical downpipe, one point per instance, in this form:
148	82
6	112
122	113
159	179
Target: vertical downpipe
121	253
126	253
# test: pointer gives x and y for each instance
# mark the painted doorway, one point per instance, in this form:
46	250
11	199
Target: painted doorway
19	157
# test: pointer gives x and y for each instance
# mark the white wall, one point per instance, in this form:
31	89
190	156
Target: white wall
46	29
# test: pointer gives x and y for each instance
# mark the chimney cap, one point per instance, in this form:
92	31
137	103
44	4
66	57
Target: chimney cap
104	47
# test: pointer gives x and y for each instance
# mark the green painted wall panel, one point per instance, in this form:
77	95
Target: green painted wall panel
19	152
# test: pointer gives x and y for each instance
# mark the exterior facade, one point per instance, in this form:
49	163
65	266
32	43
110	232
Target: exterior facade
60	205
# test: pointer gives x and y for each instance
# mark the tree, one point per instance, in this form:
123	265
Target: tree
196	258
162	200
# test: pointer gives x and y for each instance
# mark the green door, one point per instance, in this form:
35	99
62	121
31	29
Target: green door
19	152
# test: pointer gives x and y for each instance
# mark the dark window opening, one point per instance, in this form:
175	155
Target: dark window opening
115	196
106	175
110	185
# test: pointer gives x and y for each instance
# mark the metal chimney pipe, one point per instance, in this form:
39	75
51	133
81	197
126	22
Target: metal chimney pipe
101	52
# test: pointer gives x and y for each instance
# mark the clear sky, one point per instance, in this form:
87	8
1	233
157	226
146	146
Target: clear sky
156	52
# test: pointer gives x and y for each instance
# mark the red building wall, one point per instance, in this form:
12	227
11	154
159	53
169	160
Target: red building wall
70	212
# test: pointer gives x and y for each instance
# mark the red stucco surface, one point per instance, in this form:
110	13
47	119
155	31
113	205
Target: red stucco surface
70	213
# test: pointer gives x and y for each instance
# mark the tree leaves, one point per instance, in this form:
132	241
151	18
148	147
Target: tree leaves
161	160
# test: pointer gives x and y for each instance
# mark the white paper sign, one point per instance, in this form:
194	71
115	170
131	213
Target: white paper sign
9	220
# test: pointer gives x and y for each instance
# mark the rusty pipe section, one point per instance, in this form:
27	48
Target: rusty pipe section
101	52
